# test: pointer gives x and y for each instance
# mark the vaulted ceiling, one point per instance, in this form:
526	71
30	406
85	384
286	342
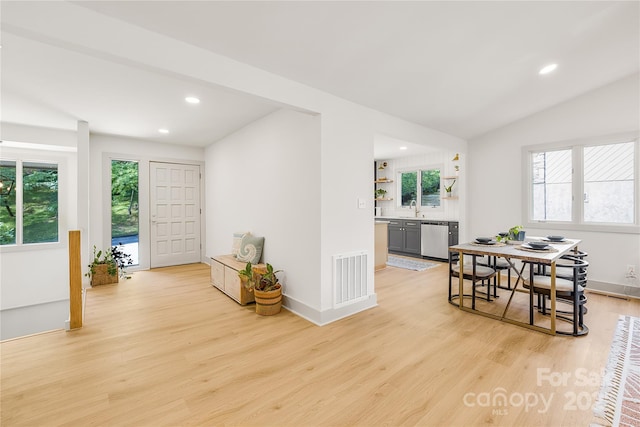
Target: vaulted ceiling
464	68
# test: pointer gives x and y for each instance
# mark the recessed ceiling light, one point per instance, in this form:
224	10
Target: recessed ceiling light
192	100
547	69
163	130
403	148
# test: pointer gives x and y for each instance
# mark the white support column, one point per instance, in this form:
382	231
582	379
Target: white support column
83	189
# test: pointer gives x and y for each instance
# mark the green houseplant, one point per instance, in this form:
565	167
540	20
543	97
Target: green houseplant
449	189
380	193
263	282
516	233
108	265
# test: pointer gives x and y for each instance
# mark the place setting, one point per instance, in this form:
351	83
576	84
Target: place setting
557	240
537	246
486	241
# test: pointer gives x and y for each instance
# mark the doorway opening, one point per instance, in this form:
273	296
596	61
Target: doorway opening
125	213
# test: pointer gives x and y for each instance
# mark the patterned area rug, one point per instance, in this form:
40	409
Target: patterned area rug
619	400
409	264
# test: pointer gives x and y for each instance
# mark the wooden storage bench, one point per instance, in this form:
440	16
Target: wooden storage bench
224	276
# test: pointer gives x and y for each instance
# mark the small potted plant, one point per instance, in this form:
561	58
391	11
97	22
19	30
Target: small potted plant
449	189
516	233
380	193
263	282
108	265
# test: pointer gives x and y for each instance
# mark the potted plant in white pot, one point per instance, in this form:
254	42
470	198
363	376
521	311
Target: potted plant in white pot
263	282
449	189
380	193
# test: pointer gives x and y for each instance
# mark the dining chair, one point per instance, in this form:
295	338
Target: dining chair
498	264
483	276
569	289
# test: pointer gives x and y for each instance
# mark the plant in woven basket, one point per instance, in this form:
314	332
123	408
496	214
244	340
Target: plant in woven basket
115	259
259	279
263	282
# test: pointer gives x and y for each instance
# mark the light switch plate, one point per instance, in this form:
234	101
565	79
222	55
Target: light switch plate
362	203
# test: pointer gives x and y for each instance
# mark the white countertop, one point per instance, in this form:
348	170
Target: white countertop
387	218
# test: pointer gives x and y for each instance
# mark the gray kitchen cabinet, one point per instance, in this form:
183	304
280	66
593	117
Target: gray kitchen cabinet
404	236
453	233
396	236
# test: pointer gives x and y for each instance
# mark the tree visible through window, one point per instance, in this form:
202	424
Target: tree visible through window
37	185
8	209
40	202
430	184
125	214
425	182
409	188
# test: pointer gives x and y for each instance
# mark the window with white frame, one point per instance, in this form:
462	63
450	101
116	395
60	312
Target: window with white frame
608	183
28	202
586	183
551	185
421	185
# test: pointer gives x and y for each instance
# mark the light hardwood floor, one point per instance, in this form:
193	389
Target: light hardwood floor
166	348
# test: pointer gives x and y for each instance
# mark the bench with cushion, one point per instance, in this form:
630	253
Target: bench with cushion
224	268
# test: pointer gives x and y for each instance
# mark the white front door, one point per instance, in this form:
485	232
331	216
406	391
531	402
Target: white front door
175	214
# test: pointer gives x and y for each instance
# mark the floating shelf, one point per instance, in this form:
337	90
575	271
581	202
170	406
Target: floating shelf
382	181
382	200
449	177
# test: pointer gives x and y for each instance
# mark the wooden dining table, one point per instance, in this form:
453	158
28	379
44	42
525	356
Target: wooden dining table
511	251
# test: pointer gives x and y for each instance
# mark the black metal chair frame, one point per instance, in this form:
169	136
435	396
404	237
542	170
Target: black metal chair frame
484	281
574	297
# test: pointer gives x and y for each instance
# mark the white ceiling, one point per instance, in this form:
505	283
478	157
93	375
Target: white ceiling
386	148
464	68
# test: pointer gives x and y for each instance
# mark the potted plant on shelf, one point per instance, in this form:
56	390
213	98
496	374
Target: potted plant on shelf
108	265
516	233
449	189
263	282
380	193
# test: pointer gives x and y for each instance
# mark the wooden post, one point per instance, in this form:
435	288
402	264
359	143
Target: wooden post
75	280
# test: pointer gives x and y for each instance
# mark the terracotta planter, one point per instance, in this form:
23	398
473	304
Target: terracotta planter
268	303
101	276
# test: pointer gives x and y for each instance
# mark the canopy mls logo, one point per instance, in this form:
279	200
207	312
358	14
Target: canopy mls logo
501	401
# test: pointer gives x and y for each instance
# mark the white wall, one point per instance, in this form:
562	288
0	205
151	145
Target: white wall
103	149
495	171
39	275
265	179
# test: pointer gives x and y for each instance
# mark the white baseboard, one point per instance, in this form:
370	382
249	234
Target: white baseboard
325	317
614	289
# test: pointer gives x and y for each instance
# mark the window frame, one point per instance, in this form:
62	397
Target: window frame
418	170
21	156
577	222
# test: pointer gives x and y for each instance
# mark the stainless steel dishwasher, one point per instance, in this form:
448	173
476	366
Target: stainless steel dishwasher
435	239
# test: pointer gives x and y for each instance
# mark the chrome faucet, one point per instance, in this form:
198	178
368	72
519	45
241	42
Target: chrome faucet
414	204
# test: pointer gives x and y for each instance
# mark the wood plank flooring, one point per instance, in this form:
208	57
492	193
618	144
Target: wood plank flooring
166	348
